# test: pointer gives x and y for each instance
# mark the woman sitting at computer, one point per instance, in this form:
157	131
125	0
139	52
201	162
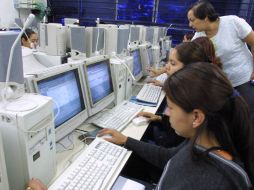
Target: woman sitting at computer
218	151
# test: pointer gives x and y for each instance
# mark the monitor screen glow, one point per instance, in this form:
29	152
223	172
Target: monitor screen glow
137	67
99	81
65	90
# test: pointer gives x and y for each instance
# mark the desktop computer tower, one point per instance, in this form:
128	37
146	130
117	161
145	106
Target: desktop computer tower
56	38
145	58
42	36
119	75
28	136
4	184
111	35
156	56
77	42
129	80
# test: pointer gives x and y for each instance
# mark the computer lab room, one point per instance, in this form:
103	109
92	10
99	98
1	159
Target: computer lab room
126	95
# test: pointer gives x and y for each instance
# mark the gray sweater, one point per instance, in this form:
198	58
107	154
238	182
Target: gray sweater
181	171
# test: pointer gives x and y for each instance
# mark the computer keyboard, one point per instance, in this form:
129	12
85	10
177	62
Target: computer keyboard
118	117
149	93
93	168
162	78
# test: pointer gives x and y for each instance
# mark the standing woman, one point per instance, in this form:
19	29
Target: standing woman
230	36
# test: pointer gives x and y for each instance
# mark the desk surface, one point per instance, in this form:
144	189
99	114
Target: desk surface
65	158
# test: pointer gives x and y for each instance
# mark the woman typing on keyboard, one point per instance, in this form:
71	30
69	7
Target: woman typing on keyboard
218	151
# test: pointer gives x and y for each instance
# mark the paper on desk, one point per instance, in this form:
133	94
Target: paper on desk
123	183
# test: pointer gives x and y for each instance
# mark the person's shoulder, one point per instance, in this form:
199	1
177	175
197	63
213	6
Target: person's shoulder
26	51
230	18
198	34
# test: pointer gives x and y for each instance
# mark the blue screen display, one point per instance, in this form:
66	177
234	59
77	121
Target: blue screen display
65	90
99	80
137	67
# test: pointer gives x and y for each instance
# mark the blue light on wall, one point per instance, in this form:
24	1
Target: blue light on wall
137	10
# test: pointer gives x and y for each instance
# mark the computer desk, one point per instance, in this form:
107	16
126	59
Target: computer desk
65	158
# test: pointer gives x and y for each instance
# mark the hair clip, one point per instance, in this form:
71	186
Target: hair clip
235	94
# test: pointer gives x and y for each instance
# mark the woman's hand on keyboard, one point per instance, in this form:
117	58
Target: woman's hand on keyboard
155	82
150	116
35	184
117	137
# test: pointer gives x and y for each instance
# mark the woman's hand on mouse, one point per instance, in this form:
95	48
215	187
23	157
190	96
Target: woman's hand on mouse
117	137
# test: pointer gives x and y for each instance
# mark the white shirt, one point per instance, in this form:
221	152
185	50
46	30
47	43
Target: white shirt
30	64
236	59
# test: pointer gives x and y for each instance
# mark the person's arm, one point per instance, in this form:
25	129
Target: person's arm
150	116
155	82
250	41
156	155
156	72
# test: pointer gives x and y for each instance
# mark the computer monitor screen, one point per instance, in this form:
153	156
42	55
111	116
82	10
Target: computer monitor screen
137	66
65	90
99	81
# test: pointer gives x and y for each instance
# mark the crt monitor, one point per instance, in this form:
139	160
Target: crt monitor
64	85
98	78
137	66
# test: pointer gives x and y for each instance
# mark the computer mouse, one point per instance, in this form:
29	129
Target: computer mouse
138	121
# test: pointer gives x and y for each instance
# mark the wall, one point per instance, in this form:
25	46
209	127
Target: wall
7	13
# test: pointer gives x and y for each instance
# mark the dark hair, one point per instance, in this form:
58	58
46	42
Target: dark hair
202	9
208	47
27	33
227	116
189	52
189	36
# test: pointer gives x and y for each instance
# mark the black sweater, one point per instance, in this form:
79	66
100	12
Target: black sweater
181	171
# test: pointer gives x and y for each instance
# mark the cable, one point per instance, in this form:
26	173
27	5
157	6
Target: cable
129	38
166	31
97	41
58	109
84	131
66	148
24	32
